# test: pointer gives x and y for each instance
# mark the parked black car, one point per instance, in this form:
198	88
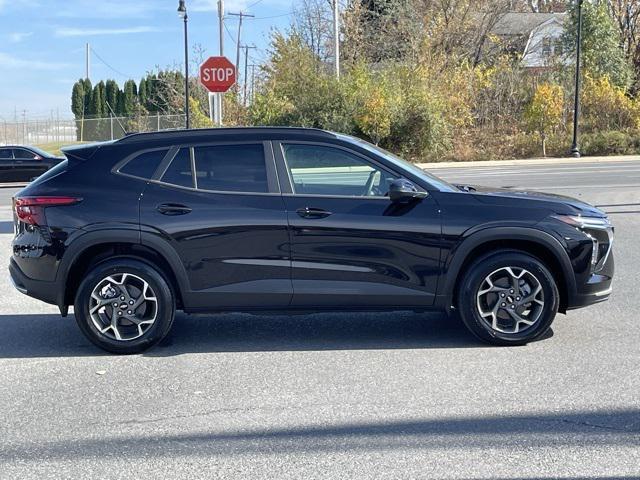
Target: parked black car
264	219
23	164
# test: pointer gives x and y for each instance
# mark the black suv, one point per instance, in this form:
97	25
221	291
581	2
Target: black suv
265	219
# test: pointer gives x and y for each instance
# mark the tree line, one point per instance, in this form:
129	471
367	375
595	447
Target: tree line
425	78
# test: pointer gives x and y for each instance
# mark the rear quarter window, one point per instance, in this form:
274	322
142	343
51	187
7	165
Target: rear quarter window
144	165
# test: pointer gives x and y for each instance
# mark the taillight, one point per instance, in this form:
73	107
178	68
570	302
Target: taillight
30	210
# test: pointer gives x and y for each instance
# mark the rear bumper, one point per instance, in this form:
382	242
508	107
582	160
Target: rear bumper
44	291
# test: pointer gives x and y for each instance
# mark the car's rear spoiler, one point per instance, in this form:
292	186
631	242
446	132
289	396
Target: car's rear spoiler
82	152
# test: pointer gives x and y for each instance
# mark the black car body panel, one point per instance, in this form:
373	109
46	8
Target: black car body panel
275	249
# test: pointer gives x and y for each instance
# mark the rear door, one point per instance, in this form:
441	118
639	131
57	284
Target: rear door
6	165
27	165
219	206
351	246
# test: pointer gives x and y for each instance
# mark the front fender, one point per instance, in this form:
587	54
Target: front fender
460	255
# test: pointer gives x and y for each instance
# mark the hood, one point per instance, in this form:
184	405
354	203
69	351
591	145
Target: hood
560	204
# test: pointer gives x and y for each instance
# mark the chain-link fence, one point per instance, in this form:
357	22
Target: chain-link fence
38	132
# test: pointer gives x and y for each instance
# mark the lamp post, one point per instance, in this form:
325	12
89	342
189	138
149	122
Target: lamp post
182	12
575	148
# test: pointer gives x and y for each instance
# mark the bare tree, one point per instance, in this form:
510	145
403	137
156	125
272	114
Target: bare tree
313	21
547	6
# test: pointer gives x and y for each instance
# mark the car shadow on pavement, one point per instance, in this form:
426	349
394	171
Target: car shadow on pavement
527	432
30	336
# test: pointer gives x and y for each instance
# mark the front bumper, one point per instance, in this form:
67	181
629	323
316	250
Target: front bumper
596	289
44	291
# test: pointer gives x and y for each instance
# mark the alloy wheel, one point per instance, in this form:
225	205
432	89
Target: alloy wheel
510	300
123	306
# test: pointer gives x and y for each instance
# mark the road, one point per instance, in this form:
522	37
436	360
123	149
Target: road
337	395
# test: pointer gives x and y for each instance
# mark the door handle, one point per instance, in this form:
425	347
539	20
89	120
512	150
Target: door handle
307	212
173	209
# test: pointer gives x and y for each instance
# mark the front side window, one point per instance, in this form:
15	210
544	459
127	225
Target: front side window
324	170
6	154
231	168
179	171
21	154
145	164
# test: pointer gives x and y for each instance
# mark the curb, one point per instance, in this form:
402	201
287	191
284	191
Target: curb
530	161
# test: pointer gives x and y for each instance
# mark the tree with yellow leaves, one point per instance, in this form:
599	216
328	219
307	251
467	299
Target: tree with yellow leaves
543	115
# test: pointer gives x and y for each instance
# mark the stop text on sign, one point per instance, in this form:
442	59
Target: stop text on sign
218	74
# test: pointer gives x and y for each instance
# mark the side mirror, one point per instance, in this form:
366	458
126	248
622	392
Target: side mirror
404	191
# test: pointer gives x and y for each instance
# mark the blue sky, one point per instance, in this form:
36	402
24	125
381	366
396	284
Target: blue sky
42	43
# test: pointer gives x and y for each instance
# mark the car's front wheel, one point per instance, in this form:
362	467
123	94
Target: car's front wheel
124	306
508	298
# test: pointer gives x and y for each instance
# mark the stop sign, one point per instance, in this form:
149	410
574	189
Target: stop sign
217	74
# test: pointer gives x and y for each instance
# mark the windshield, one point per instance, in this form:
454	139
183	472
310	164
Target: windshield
400	162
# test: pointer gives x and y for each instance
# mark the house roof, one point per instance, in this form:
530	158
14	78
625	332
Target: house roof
515	23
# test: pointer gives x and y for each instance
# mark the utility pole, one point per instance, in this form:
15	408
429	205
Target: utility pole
220	96
246	78
336	36
87	72
240	16
253	81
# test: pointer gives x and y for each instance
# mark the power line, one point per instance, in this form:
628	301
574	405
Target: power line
274	16
253	4
109	66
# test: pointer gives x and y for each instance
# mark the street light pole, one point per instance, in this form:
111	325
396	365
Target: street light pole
575	148
182	12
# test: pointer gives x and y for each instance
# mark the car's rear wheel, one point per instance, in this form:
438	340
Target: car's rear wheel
124	306
508	298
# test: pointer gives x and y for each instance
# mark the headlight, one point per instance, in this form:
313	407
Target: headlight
600	232
584	222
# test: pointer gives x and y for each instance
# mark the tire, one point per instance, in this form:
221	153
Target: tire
101	298
490	304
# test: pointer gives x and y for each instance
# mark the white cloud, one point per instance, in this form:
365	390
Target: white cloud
107	9
87	32
17	37
9	61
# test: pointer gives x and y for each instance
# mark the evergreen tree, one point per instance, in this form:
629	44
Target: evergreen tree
602	54
88	93
77	99
98	98
130	97
111	96
142	92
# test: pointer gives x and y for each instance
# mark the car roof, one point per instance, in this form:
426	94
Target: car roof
192	134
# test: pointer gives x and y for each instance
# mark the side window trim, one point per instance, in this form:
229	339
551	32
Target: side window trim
286	181
268	155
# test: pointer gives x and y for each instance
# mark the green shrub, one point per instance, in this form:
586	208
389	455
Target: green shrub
611	143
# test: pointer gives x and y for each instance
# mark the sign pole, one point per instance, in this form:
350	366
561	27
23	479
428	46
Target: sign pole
219	96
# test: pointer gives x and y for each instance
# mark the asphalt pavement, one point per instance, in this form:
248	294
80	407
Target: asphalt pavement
361	396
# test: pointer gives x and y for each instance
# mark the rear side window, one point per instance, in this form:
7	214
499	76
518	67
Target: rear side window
179	171
23	154
145	164
231	168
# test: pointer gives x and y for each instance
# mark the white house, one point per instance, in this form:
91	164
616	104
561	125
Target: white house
536	37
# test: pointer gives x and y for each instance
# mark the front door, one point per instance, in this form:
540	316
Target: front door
220	208
351	246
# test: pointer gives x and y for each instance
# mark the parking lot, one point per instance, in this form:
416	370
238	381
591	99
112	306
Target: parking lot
337	395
